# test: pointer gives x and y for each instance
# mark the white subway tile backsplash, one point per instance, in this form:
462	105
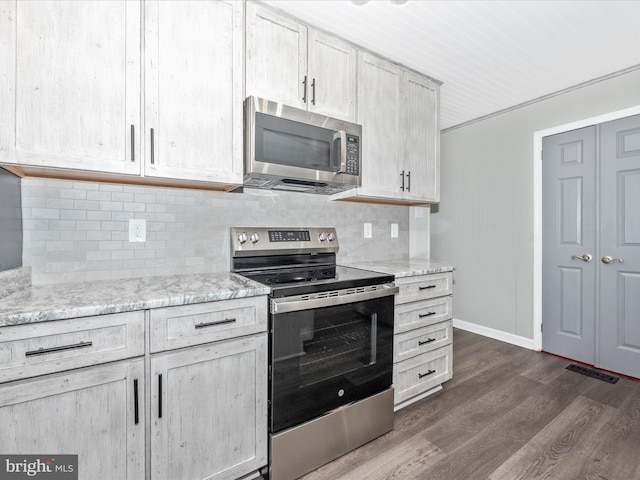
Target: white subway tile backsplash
77	231
49	213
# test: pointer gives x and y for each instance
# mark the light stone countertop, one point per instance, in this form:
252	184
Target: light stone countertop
409	267
42	303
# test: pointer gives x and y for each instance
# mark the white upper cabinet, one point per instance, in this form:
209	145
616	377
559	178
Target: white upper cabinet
72	91
399	113
70	86
289	63
193	90
421	138
379	108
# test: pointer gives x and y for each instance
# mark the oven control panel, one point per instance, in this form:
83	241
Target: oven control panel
264	240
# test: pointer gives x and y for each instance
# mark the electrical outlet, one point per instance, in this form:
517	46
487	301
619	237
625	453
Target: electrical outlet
137	230
394	230
367	230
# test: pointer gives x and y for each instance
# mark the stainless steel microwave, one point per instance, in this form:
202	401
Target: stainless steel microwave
287	148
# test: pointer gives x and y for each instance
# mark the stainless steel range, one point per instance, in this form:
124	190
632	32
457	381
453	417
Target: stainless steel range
330	346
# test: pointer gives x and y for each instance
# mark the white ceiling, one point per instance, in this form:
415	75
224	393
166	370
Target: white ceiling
491	55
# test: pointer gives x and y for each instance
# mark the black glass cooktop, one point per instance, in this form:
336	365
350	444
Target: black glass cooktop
304	280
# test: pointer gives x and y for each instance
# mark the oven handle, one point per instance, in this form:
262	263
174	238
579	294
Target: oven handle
296	303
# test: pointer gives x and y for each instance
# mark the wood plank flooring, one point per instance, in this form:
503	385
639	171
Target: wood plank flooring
508	413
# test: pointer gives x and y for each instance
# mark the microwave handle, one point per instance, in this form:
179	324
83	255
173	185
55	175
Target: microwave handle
340	138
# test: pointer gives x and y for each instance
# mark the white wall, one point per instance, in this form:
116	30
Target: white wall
484	222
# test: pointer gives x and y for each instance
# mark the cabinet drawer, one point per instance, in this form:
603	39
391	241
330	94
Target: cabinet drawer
420	314
421	373
35	349
176	327
423	287
421	340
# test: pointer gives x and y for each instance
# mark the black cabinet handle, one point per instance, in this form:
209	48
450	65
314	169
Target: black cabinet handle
428	340
136	415
427	287
408	181
313	92
428	314
217	322
42	351
152	147
133	144
304	95
160	396
429	372
402	176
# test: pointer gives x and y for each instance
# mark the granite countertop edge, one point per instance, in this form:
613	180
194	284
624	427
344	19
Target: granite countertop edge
409	267
42	303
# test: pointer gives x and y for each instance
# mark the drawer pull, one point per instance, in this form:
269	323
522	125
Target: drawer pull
427	287
160	396
421	375
428	340
217	322
42	350
428	314
136	416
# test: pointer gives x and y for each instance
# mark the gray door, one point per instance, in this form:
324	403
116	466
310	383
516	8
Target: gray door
569	244
619	313
591	245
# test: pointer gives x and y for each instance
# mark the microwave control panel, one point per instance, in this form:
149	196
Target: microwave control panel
353	155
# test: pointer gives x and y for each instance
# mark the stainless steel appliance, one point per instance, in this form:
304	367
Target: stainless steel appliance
330	346
287	148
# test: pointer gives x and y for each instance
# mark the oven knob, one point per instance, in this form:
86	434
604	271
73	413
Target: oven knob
254	238
331	237
322	237
242	237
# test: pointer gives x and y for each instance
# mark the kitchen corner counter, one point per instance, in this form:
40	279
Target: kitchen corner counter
42	303
409	267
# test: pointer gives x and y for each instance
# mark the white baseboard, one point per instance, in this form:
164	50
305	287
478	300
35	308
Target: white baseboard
495	334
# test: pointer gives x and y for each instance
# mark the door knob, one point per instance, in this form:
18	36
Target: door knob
608	259
587	257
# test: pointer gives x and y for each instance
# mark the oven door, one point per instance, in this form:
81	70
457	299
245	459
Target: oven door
338	351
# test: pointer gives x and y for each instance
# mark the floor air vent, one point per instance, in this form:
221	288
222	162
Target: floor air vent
592	373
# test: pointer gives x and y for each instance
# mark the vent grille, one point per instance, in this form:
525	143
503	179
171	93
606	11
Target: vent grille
339	293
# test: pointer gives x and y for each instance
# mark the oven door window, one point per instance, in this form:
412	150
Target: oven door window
325	358
285	142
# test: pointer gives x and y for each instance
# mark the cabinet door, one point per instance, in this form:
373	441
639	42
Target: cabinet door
332	70
89	412
276	58
70	85
209	410
379	105
422	137
193	90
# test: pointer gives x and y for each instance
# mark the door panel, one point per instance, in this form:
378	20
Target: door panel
572	300
619	326
568	285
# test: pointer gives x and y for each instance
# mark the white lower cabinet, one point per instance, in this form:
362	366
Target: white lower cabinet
89	387
423	336
96	413
208	382
209	410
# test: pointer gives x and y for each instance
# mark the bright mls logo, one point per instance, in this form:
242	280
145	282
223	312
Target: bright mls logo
43	467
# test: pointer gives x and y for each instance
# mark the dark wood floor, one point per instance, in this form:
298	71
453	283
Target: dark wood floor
508	413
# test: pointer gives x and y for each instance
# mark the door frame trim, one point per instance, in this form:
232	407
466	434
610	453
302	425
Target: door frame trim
537	205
